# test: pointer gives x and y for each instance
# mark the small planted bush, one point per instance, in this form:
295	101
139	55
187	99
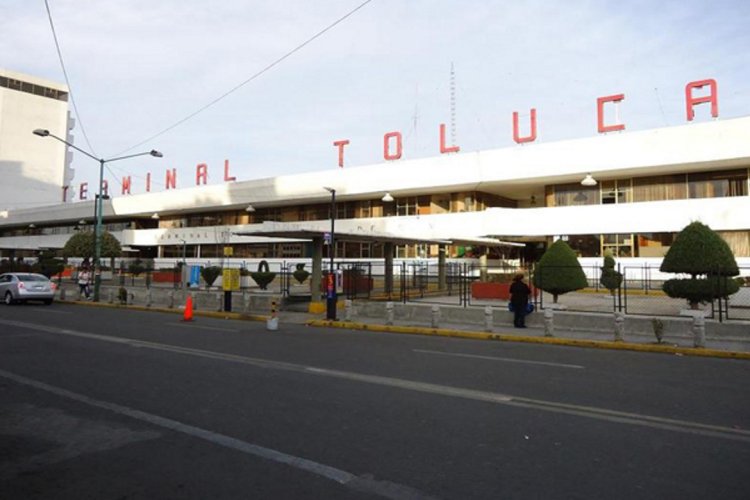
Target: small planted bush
263	276
209	274
611	279
300	274
122	295
658	326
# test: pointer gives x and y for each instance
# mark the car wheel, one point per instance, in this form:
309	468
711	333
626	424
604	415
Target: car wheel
8	298
47	301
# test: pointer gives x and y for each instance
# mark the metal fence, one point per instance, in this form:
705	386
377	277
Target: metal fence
474	284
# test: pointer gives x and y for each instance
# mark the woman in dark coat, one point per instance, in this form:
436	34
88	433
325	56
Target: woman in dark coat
519	297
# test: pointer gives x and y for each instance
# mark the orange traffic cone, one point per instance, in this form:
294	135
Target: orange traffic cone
188	316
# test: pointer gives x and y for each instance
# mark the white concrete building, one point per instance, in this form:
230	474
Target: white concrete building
33	171
650	184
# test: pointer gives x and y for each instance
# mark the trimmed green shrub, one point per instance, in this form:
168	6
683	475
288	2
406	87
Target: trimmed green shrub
48	264
263	276
300	274
700	290
558	271
209	274
610	279
82	244
705	256
122	295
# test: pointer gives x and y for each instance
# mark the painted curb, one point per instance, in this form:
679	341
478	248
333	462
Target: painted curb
176	310
598	344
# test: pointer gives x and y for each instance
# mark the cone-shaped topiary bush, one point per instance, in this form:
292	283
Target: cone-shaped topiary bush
559	271
700	252
300	274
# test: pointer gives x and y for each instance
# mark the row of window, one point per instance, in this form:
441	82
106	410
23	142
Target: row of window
718	184
31	88
647	244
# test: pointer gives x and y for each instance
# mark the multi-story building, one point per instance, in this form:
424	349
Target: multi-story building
34	172
506	202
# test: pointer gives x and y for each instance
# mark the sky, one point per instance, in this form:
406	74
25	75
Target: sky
137	67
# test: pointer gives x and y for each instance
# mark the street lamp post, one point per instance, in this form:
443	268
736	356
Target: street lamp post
331	298
98	201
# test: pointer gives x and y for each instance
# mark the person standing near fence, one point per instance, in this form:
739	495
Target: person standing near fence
84	279
519	299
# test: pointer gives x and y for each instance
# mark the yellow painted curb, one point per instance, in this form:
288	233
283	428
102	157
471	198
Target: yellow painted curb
316	307
599	344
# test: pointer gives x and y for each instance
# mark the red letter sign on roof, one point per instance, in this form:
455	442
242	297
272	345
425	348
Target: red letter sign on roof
529	138
712	97
600	113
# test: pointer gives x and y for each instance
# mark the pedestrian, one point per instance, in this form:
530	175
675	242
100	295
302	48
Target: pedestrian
519	299
84	279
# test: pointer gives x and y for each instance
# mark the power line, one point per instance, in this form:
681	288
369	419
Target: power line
67	81
253	77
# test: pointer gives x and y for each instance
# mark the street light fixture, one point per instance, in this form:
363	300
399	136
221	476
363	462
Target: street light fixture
331	298
98	202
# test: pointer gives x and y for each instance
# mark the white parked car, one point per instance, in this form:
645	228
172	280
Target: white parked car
20	287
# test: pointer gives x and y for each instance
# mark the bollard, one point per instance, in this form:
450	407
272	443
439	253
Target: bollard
111	296
619	326
62	293
148	297
389	313
435	317
347	310
699	330
131	298
245	302
219	302
170	299
487	318
272	323
549	323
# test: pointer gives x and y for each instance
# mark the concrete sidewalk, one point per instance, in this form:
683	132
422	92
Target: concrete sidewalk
728	339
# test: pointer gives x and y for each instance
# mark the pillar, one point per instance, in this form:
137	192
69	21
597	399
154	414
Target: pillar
441	267
388	271
317	267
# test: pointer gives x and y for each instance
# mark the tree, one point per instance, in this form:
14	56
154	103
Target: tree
705	256
610	279
82	244
558	271
48	264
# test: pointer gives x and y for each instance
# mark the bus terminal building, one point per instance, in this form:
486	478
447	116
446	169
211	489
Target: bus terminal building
505	203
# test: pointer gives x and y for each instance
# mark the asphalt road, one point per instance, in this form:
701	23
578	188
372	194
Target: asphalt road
106	403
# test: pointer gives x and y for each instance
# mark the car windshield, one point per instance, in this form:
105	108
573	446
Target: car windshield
31	277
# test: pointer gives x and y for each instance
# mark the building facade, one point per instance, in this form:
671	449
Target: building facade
505	203
33	172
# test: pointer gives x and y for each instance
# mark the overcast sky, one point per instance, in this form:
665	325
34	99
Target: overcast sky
139	66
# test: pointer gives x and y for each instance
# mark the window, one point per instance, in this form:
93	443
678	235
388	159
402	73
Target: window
621	245
658	188
718	184
575	194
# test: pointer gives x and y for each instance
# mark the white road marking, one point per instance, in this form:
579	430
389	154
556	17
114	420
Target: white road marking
683	426
201	327
53	311
494	358
366	484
